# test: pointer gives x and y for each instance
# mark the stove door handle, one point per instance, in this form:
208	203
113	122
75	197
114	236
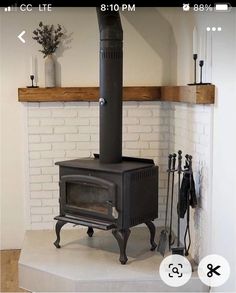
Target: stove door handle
114	211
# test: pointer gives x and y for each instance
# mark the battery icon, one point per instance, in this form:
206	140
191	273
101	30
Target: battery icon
223	7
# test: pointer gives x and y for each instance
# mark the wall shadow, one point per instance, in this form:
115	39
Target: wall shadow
65	45
158	33
58	72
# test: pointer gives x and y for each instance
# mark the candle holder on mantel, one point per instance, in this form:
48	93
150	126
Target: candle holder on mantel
32	82
201	64
195	70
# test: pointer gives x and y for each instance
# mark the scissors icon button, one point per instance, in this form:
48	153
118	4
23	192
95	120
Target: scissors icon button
212	270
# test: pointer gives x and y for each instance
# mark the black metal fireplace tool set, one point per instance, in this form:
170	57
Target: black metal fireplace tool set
186	198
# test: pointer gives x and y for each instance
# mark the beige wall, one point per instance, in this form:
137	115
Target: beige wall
145	63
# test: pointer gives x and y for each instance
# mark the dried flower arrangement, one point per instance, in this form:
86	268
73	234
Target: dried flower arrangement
48	37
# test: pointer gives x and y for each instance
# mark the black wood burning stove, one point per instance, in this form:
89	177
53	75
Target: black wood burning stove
108	196
109	191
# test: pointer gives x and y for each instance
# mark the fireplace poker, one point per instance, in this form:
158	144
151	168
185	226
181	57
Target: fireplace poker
164	233
171	241
179	249
179	174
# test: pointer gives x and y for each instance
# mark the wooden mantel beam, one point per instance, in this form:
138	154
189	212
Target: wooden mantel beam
197	94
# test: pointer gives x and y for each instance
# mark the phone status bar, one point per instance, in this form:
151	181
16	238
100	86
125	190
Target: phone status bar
197	6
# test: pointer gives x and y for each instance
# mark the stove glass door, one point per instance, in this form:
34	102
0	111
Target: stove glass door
88	195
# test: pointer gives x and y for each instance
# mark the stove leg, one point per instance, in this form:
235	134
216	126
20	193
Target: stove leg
90	231
122	238
59	225
152	230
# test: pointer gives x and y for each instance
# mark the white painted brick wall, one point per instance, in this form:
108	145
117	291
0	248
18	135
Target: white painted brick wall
191	131
63	131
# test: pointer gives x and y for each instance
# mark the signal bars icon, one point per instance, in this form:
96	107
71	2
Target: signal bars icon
11	8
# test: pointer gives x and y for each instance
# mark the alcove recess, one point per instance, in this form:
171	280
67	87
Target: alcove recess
195	94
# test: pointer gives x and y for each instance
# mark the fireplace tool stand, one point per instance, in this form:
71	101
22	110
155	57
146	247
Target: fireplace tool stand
121	235
186	197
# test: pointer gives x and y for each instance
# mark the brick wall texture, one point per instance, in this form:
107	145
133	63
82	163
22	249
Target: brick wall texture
63	131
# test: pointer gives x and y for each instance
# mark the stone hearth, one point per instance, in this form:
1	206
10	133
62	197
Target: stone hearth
91	264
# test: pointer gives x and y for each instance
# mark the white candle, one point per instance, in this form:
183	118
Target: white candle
202	46
195	40
32	66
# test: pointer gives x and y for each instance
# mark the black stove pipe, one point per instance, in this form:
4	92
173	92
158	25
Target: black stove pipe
111	75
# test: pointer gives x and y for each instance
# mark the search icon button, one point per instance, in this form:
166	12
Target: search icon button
175	270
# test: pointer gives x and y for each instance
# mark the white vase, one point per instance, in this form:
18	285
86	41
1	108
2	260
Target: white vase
50	74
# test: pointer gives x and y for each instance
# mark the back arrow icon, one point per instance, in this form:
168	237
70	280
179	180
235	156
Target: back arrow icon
20	37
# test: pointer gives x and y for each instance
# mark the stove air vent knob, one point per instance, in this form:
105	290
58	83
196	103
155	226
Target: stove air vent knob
102	101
